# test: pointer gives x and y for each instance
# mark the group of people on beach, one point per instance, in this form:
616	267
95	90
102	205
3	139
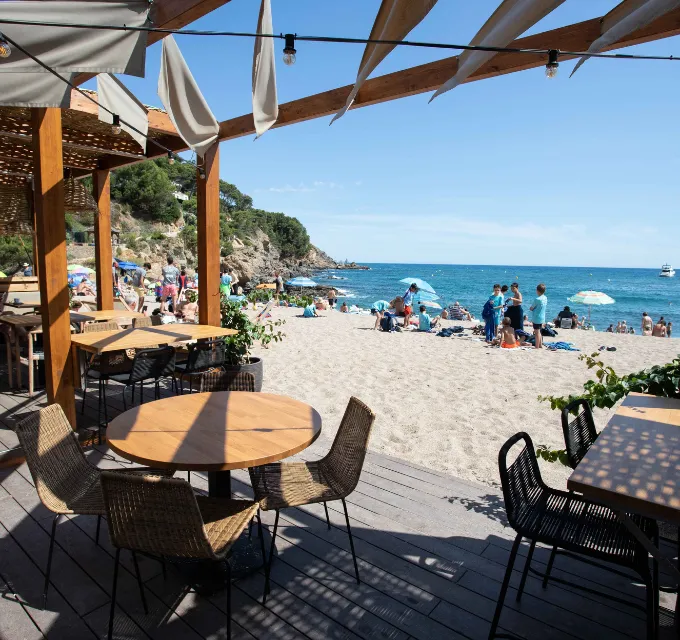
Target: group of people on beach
504	318
660	329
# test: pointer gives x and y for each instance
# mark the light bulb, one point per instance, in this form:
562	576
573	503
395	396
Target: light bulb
171	158
5	49
289	50
115	129
201	173
553	66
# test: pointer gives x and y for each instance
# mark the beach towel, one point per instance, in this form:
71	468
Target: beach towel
560	346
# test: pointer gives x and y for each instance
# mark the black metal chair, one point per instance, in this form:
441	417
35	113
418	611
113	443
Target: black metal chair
567	521
149	364
579	431
203	356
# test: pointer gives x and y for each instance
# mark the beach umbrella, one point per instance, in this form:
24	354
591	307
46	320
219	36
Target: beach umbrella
266	286
421	284
78	268
591	298
301	282
3	274
431	304
426	296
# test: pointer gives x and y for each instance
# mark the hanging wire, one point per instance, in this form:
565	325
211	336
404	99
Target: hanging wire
117	120
281	36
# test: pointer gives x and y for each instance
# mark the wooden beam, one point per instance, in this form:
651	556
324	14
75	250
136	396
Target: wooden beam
208	223
103	252
48	181
428	77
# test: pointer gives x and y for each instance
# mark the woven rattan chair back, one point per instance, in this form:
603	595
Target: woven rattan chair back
227	381
56	461
345	460
156	321
154	515
138	323
521	479
204	355
152	363
579	431
94	327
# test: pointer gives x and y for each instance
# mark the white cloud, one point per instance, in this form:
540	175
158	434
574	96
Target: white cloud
317	185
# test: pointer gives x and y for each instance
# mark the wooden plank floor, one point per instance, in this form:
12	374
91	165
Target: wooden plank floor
432	551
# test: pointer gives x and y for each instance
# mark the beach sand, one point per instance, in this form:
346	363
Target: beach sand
445	403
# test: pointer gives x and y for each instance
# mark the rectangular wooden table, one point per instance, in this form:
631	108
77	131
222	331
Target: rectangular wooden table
32	324
119	315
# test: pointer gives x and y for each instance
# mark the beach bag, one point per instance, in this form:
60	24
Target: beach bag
487	310
547	331
388	322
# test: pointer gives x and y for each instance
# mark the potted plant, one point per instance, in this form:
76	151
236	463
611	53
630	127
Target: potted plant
239	346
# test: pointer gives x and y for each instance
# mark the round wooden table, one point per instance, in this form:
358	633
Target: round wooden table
214	432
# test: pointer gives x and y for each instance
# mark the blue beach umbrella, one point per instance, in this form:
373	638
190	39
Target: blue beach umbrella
301	282
421	284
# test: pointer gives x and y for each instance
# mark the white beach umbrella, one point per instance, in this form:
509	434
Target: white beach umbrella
591	298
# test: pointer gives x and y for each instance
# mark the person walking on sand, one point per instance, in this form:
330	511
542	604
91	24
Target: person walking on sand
538	310
491	313
170	278
278	281
646	324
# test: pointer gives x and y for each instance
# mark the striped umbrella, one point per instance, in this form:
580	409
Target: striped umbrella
591	298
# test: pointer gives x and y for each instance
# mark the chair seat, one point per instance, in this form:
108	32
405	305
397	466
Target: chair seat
576	524
90	501
291	484
225	520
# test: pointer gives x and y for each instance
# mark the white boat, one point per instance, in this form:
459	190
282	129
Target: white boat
667	271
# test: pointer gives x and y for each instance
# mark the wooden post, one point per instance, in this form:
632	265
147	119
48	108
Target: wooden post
208	219
48	181
34	236
103	253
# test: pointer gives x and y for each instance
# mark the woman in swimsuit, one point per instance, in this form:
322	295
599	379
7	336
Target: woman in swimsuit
515	312
646	324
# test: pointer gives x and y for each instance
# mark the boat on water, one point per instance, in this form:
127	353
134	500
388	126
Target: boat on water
667	271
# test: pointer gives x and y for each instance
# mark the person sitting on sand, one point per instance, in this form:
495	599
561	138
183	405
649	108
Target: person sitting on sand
457	311
624	327
659	330
320	304
425	323
344	308
526	321
398	305
506	335
188	308
310	311
632	331
646	324
84	288
669	328
610	329
444	314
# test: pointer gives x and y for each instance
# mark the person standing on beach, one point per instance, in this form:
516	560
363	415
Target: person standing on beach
332	298
515	312
646	324
669	328
278	280
170	278
138	276
538	310
225	283
492	313
408	302
659	330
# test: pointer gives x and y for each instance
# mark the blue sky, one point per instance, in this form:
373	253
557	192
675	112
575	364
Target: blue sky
512	170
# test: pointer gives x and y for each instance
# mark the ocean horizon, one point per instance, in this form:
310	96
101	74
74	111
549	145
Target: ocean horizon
635	290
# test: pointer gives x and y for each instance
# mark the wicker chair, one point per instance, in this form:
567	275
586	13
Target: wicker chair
163	517
227	381
202	357
65	481
570	522
101	368
579	432
138	323
149	364
334	477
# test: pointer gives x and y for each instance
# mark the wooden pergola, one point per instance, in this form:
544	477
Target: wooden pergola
43	142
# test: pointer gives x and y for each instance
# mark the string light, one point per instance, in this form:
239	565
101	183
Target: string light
171	158
553	66
5	49
116	128
201	173
289	50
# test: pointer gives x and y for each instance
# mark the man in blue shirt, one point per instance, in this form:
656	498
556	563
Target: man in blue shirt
538	314
497	301
425	323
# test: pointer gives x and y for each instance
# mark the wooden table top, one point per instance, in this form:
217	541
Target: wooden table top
22	305
108	314
102	341
26	321
634	464
216	431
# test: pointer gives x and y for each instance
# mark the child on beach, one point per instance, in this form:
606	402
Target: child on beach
425	323
538	314
344	308
491	313
506	335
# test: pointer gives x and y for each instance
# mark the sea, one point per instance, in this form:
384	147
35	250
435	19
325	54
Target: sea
634	290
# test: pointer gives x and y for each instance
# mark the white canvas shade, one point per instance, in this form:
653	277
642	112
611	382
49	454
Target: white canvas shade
35	90
115	96
265	102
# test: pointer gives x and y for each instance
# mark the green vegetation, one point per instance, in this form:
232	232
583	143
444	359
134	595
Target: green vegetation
12	252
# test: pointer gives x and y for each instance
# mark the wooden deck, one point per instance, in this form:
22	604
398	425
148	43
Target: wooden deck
432	551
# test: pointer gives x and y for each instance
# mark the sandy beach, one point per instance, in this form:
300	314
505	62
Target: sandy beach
445	403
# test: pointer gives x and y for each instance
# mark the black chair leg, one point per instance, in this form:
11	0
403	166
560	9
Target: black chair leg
504	587
527	564
106	406
546	577
268	567
132	401
260	534
228	567
49	560
141	392
124	403
96	535
163	569
140	583
328	520
99	412
651	603
351	541
113	594
82	406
